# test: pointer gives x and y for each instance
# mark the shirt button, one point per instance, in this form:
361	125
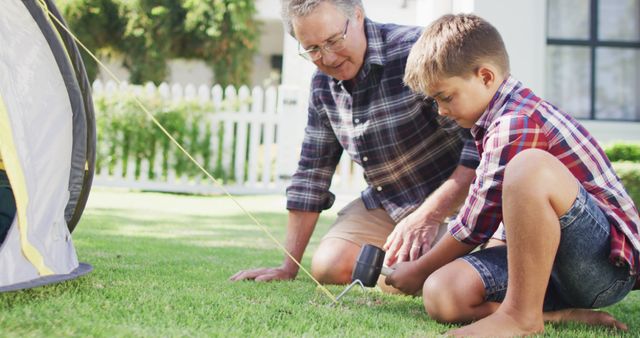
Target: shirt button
365	159
356	120
379	188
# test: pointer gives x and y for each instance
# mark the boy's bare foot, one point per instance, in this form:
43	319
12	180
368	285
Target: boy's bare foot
585	316
502	325
498	324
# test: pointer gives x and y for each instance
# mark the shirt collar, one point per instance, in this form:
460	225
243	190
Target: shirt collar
375	44
496	105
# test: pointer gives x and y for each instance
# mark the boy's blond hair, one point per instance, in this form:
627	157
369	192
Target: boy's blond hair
454	45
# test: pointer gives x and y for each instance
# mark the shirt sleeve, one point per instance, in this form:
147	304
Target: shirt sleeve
320	154
481	213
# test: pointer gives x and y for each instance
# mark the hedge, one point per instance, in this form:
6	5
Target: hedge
629	173
623	151
125	132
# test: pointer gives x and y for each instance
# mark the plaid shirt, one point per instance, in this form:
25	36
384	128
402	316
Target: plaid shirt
515	120
405	149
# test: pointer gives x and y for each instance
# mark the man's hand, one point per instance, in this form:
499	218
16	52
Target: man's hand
411	238
264	274
407	278
299	229
414	235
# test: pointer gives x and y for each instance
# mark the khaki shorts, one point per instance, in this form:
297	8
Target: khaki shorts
357	224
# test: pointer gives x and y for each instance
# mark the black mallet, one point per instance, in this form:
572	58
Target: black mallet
368	268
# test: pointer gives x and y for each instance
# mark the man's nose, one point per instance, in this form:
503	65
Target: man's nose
328	58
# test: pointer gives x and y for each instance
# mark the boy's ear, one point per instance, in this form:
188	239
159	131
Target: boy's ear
487	75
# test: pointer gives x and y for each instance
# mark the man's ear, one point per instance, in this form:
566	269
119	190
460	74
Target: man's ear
487	74
359	14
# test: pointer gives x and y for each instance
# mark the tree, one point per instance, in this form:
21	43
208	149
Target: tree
147	33
224	33
98	24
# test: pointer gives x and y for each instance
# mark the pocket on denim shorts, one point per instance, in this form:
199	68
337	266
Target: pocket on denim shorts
614	293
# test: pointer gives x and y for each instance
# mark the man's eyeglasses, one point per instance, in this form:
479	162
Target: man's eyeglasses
331	46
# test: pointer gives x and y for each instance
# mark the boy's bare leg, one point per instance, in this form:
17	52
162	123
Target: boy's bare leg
537	190
455	294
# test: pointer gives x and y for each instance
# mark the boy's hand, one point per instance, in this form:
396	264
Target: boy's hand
410	276
407	278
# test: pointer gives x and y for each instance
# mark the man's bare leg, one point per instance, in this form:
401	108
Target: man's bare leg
333	261
537	190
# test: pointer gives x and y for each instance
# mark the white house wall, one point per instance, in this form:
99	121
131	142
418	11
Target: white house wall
184	71
524	35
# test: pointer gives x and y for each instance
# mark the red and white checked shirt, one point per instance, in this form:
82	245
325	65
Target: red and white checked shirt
516	120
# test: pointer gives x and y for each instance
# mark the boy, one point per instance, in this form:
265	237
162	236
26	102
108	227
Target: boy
569	223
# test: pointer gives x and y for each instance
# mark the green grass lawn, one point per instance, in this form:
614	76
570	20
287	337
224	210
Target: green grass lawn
161	267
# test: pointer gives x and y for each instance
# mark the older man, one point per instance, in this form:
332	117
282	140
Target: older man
417	165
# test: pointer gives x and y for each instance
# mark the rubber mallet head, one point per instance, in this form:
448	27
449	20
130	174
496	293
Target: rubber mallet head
369	265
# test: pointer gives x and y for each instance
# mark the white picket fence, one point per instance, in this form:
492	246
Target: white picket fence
268	124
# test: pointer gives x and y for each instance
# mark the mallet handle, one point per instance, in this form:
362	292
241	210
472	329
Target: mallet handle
386	271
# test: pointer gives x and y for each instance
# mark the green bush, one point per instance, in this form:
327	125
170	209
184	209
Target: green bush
623	151
126	133
629	173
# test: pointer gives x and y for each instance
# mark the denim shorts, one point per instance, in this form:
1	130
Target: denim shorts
582	274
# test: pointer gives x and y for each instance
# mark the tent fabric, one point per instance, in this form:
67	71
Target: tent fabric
70	63
19	186
83	157
81	270
47	138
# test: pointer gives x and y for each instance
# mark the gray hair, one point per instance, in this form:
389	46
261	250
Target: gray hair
292	9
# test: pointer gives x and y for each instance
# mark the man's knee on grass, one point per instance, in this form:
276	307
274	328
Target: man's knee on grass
333	261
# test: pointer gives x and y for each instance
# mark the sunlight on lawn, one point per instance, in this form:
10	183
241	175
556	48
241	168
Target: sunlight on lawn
206	221
182	204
